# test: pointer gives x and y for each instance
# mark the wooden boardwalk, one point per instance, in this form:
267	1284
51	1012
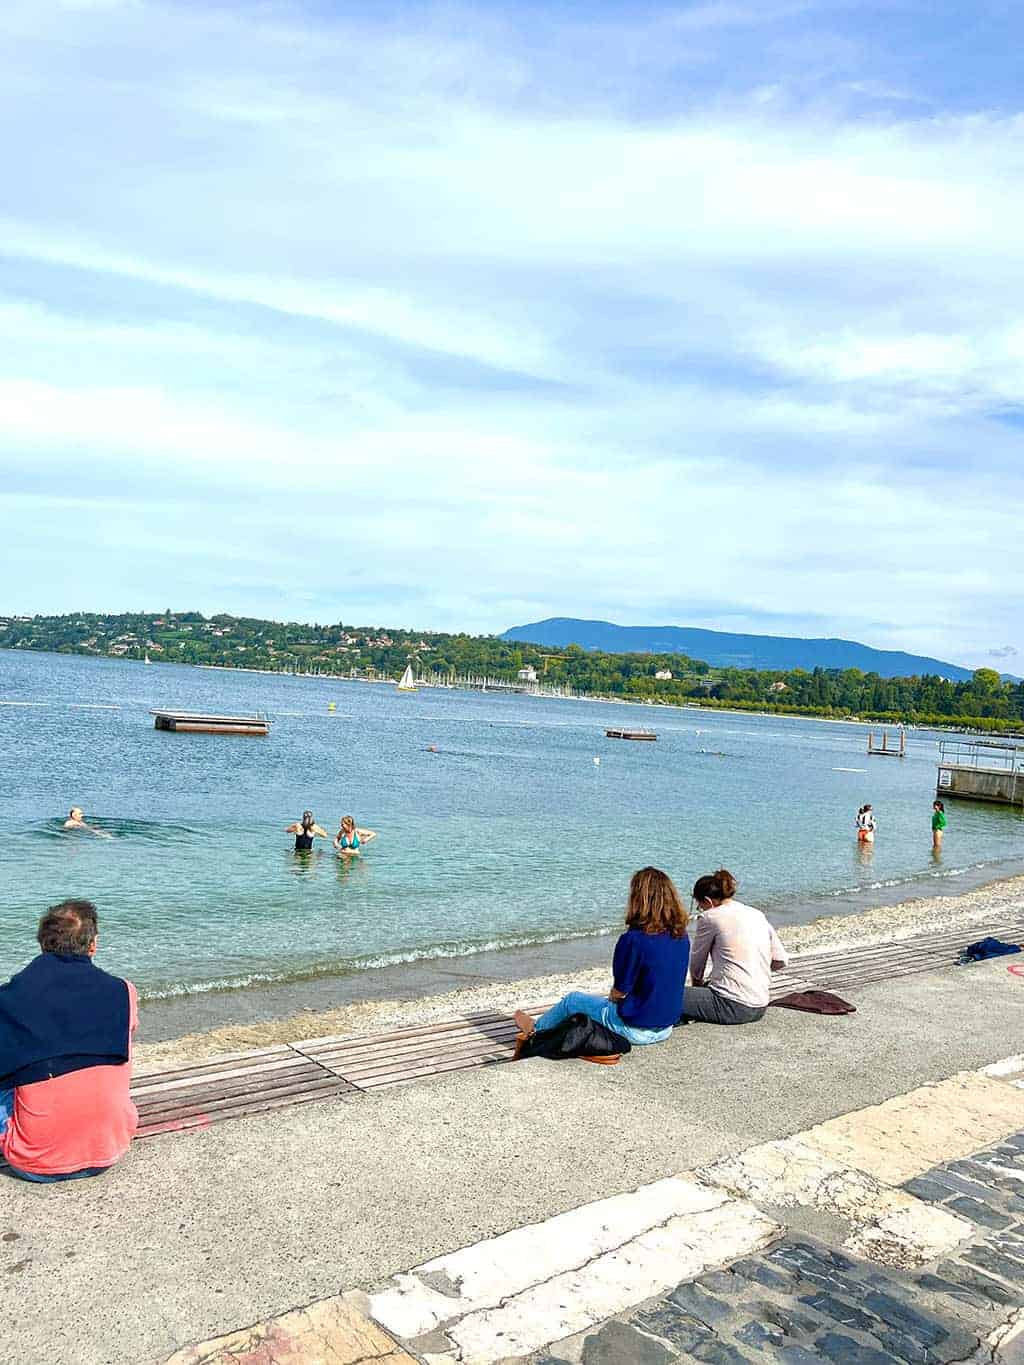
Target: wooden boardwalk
850	967
349	1065
237	1084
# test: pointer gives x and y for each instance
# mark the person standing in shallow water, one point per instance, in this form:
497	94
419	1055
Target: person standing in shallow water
938	825
350	839
305	831
743	950
866	825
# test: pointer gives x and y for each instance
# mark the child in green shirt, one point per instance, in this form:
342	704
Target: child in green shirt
938	824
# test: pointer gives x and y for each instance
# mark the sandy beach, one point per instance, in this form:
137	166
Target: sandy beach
884	923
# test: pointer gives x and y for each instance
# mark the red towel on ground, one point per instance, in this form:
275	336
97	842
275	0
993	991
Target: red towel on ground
815	1002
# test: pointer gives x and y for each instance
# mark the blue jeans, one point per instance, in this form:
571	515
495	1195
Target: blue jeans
605	1011
6	1114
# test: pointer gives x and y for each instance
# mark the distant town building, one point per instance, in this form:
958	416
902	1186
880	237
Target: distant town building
527	674
664	675
777	687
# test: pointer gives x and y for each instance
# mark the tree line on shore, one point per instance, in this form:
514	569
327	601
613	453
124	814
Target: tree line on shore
985	701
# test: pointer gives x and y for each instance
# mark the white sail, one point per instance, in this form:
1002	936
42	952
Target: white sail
407	682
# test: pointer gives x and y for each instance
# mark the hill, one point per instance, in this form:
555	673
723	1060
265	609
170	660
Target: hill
670	676
723	650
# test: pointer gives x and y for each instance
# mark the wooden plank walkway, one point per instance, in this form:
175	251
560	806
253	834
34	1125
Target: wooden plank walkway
238	1084
846	967
230	1086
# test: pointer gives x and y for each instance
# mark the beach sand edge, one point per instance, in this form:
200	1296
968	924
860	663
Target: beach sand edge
881	924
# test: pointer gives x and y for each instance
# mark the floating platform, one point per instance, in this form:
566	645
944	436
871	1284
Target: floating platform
192	722
897	749
630	734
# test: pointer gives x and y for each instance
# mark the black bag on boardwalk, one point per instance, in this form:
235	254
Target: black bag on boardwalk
577	1036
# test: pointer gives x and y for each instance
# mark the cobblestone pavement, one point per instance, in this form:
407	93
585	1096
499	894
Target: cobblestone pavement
800	1302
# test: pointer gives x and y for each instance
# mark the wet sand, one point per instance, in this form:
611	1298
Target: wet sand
187	1029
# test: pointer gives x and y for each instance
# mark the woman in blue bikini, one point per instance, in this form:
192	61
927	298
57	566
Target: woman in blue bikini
349	840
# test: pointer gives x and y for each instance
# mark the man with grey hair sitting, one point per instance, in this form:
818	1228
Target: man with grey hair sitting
65	1055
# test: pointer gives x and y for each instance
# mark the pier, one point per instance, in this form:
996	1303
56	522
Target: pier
982	770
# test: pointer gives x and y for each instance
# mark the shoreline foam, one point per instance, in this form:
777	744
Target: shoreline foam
499	989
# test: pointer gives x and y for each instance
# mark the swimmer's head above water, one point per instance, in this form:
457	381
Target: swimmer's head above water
307	820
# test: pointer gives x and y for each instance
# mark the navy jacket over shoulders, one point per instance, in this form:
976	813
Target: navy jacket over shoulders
650	969
61	1013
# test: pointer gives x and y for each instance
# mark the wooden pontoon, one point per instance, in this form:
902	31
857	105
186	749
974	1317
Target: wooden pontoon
630	734
897	749
192	722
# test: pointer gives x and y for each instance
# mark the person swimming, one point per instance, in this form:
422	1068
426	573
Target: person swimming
76	820
349	840
305	831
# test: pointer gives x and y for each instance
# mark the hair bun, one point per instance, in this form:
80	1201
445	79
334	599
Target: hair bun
727	882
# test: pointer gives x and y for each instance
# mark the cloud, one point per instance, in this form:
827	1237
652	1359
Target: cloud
696	309
1004	652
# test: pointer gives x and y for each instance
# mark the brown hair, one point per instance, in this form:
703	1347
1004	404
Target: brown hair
716	886
654	904
68	928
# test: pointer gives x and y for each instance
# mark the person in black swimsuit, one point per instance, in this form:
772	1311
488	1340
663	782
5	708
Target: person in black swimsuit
305	831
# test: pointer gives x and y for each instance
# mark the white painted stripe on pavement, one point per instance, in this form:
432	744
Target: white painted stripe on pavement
485	1274
650	1264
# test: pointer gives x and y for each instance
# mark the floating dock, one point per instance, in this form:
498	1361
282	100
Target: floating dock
897	749
192	722
630	734
982	770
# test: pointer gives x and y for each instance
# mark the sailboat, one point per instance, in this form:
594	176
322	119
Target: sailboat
407	683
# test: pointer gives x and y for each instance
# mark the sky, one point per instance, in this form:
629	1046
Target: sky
460	316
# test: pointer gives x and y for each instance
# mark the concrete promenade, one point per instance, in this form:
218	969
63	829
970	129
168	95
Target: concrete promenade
197	1235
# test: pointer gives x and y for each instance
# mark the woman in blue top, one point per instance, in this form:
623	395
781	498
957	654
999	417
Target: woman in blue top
648	968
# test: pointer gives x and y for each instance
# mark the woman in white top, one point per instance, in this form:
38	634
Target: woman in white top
743	949
866	825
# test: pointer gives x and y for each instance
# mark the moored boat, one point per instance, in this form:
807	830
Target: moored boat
630	734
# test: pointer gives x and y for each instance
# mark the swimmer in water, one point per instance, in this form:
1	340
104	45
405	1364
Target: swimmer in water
349	840
304	832
76	820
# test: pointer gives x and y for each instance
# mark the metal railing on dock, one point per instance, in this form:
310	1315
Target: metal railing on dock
982	770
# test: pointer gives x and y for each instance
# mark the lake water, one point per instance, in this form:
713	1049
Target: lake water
510	834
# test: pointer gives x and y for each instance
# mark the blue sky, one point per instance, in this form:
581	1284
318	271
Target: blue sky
465	315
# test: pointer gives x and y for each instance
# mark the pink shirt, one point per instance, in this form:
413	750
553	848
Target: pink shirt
68	1123
742	946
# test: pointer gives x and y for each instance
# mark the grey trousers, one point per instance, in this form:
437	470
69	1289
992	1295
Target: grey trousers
705	1006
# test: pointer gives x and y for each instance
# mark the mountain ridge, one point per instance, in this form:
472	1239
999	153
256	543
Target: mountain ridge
725	649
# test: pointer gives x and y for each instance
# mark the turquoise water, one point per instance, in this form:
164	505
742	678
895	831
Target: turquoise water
510	834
